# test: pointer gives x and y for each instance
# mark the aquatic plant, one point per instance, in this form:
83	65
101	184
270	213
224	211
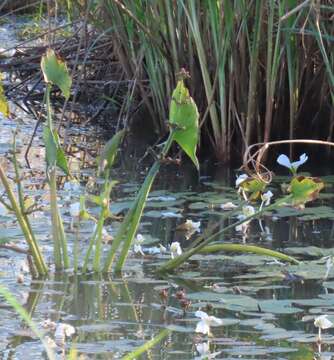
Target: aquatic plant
292	166
183	119
204	325
322	322
301	189
55	73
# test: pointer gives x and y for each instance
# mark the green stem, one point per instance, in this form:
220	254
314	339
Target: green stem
248	249
59	238
33	246
54	220
89	251
148	345
98	246
174	263
132	218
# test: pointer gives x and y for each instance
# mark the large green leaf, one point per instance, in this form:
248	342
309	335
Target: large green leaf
50	147
183	116
304	189
54	153
109	151
55	72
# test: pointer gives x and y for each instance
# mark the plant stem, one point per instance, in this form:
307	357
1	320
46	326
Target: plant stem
59	238
132	218
248	249
33	246
174	263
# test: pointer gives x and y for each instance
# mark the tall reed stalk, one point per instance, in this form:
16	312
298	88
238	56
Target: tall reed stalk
253	64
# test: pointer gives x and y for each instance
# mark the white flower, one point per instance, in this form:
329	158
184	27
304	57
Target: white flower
137	244
192	225
203	348
162	249
240	179
266	197
322	322
175	249
248	210
329	265
62	332
228	206
203	326
75	209
293	166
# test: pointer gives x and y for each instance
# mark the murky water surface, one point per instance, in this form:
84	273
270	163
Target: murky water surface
267	307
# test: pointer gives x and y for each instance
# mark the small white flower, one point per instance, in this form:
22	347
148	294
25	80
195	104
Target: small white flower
75	210
192	225
248	210
329	265
203	326
137	244
293	166
175	249
266	197
322	322
240	179
62	332
228	206
203	348
162	249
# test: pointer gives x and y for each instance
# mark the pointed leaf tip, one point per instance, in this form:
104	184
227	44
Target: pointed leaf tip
55	72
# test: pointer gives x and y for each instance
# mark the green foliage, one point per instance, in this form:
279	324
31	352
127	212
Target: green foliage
54	153
183	116
110	150
254	186
184	123
56	73
304	189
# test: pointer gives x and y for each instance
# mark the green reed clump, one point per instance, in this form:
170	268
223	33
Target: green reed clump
259	69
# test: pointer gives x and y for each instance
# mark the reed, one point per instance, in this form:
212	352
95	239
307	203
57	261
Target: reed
253	64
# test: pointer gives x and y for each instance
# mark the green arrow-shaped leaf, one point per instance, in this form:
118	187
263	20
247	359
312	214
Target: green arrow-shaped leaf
55	72
183	116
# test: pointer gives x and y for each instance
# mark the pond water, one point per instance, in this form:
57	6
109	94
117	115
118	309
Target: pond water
267	306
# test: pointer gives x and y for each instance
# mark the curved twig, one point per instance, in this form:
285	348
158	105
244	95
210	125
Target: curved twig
252	161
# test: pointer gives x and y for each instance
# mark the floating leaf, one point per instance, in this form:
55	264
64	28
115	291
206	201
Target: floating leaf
183	116
55	72
304	189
